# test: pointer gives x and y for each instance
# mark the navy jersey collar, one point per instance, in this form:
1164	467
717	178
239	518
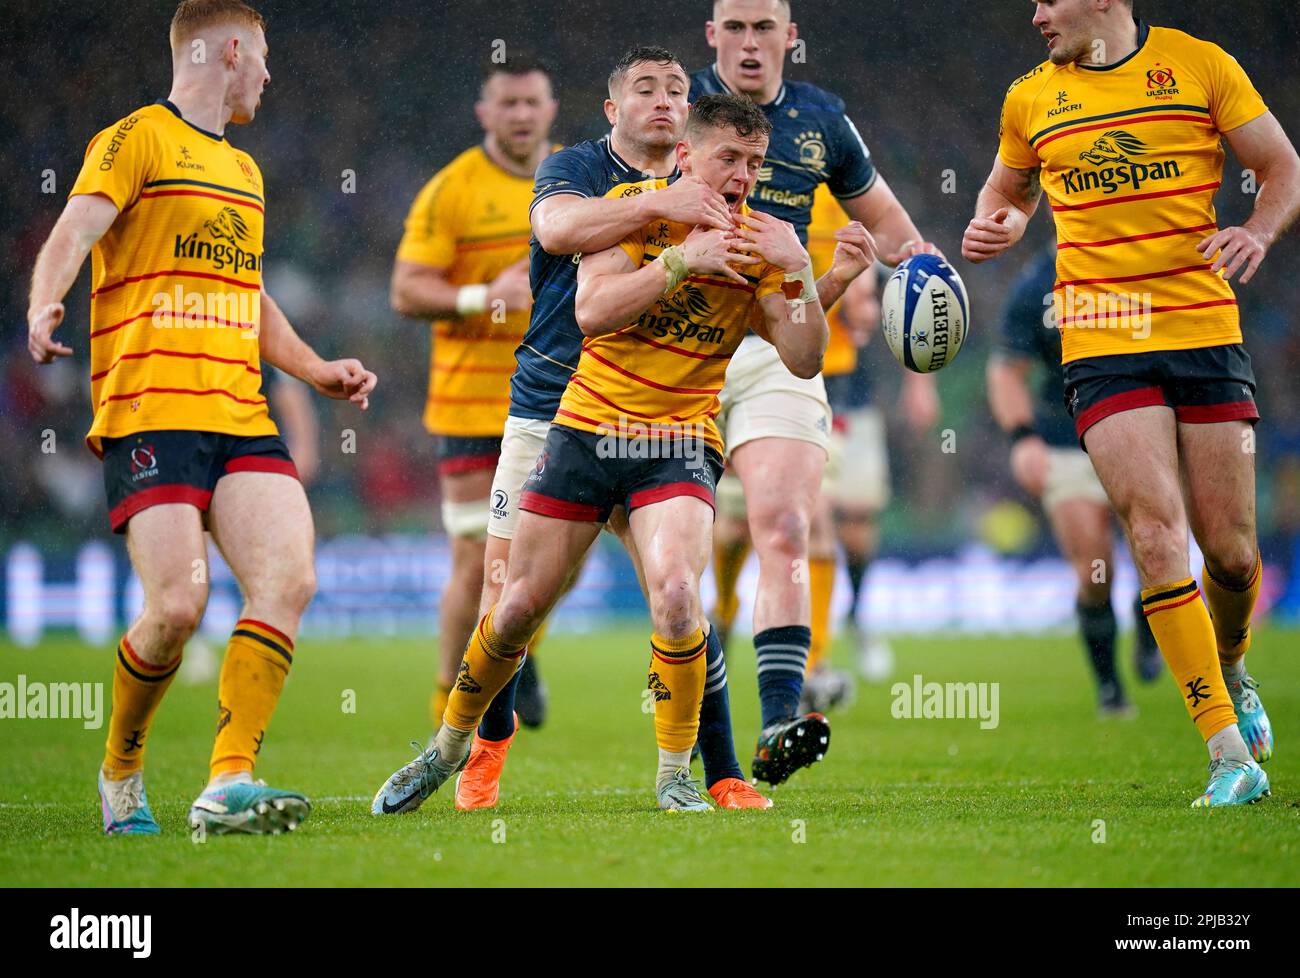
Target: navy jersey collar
171	107
1144	30
628	170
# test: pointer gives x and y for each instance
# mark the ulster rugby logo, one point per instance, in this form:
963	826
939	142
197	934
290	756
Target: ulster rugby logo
1160	78
1115	146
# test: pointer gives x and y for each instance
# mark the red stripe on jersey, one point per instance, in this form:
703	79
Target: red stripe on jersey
173	353
1121	313
1135	278
1125	200
608	403
672	349
561	413
201	193
179	273
1134	237
179	390
650	383
167	312
1127	122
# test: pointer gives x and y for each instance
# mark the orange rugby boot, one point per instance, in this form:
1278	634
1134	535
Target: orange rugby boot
479	785
735	793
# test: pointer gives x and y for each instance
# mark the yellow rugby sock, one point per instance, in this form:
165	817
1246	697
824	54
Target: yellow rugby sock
677	671
258	658
138	688
728	559
484	671
1231	608
821	581
1181	625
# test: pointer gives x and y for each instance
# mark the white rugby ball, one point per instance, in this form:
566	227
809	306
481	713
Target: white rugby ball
925	313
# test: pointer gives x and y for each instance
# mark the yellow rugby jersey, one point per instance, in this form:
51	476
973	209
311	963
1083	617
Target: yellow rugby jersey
1131	159
470	219
669	366
176	281
827	218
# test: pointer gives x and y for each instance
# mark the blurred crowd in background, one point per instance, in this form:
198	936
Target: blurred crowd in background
387	93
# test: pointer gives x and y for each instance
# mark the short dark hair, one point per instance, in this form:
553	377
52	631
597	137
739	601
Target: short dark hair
736	112
517	63
640	55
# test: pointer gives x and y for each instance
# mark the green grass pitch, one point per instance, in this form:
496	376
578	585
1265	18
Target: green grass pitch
896	803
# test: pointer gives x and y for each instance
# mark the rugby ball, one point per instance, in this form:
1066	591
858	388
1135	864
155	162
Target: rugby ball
925	313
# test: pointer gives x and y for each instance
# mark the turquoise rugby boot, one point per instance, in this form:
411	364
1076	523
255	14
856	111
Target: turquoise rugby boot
1233	783
125	806
1252	721
248	808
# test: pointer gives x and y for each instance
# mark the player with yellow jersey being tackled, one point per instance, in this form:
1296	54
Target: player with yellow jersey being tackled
663	312
180	323
1122	127
463	262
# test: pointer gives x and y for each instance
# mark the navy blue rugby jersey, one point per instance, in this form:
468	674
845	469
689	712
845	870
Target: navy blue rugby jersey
549	351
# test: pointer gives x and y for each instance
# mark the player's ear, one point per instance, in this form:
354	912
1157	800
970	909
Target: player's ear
480	113
710	34
683	153
611	111
791	35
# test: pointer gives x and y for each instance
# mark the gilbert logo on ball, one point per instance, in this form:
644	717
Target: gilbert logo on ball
925	313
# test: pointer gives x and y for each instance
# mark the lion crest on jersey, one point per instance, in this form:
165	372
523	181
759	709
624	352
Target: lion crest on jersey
1115	146
228	225
688	302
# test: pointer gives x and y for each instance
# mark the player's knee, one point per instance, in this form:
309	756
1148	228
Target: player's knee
1233	564
1155	541
674	609
299	592
176	614
674	606
784	535
517	615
